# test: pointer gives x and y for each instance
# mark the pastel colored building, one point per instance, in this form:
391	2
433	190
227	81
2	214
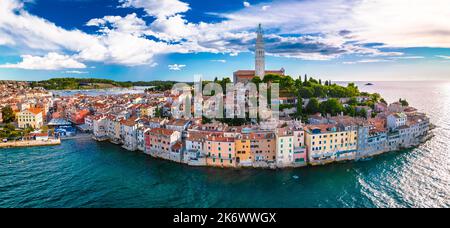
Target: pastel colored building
299	156
328	143
78	116
263	147
243	150
220	151
285	147
396	120
160	140
32	117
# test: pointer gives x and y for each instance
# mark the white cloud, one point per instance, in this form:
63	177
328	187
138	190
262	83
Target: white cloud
443	56
52	61
158	8
219	60
176	67
247	4
369	61
335	28
409	57
75	72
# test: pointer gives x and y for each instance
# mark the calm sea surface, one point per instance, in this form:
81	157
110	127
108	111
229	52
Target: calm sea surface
84	173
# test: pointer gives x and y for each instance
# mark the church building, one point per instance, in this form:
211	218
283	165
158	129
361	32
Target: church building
245	76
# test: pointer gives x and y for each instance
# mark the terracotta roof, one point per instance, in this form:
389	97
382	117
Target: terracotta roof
35	111
161	131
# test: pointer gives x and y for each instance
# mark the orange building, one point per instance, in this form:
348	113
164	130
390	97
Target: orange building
263	146
220	151
243	150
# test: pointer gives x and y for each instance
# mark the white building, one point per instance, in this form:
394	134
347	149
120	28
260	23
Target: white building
285	148
100	127
396	120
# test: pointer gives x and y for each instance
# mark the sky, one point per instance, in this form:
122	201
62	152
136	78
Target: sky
144	40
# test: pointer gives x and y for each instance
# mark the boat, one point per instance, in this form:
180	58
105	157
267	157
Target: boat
369	84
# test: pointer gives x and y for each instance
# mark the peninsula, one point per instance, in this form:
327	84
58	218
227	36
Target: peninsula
318	121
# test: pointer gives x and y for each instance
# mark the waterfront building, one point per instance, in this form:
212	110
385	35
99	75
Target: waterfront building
114	129
89	123
129	129
329	142
299	157
100	127
220	151
31	117
243	150
263	147
396	120
372	140
160	140
285	147
141	137
194	153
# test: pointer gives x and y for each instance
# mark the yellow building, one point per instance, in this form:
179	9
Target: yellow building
148	111
328	143
243	150
32	117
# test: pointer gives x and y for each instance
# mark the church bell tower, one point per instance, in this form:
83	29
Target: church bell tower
260	54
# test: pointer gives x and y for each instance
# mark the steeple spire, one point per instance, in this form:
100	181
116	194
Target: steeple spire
260	54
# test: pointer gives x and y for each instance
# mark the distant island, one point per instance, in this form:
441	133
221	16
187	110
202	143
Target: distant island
369	84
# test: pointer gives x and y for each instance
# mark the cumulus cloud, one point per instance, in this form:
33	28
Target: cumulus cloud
347	28
176	67
158	8
51	61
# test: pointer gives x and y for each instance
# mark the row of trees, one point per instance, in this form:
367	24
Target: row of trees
9	131
76	83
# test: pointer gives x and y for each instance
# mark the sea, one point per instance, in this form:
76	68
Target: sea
88	174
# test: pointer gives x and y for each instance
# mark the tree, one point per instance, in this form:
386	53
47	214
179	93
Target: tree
158	112
313	106
9	127
299	112
353	101
403	102
8	114
362	113
331	106
306	92
350	111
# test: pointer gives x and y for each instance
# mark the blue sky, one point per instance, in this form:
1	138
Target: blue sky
360	40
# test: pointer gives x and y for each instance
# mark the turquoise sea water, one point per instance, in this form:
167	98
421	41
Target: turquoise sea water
84	173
